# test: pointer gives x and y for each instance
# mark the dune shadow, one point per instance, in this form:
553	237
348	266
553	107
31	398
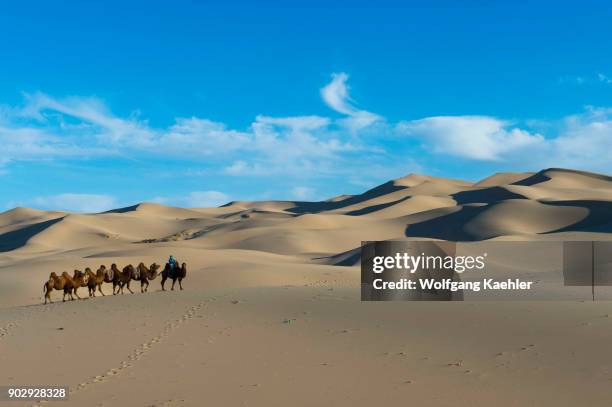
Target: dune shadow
486	195
599	218
375	208
534	179
448	227
124	209
18	238
321	206
541	176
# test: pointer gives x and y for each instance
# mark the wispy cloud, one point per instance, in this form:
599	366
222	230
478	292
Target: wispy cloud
586	79
604	78
47	128
336	95
89	203
573	80
303	193
359	146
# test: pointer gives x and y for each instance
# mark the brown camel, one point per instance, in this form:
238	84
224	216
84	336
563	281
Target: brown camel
55	282
122	278
145	274
69	284
79	279
96	280
109	275
174	273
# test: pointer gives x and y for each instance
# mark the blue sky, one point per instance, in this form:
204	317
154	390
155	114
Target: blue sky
195	103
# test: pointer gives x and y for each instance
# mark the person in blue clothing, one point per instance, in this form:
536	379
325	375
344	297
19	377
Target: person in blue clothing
172	262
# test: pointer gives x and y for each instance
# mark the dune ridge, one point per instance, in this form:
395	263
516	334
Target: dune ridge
560	202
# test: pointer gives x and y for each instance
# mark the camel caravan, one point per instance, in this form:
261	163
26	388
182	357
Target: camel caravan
119	278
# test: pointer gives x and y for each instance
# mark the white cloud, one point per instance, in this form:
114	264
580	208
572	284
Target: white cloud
91	111
584	141
297	123
309	146
336	95
303	193
200	137
76	202
242	168
474	137
48	128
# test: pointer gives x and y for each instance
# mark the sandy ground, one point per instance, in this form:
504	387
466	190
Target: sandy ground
268	318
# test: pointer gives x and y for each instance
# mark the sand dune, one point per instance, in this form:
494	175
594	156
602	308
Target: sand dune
505	205
270	314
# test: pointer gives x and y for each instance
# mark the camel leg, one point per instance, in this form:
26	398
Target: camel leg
100	289
142	290
129	289
146	286
114	287
75	293
163	281
47	292
180	283
173	282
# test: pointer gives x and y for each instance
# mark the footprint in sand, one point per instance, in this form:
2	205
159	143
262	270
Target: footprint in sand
140	351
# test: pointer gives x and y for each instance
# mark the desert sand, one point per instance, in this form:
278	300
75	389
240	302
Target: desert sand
271	316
